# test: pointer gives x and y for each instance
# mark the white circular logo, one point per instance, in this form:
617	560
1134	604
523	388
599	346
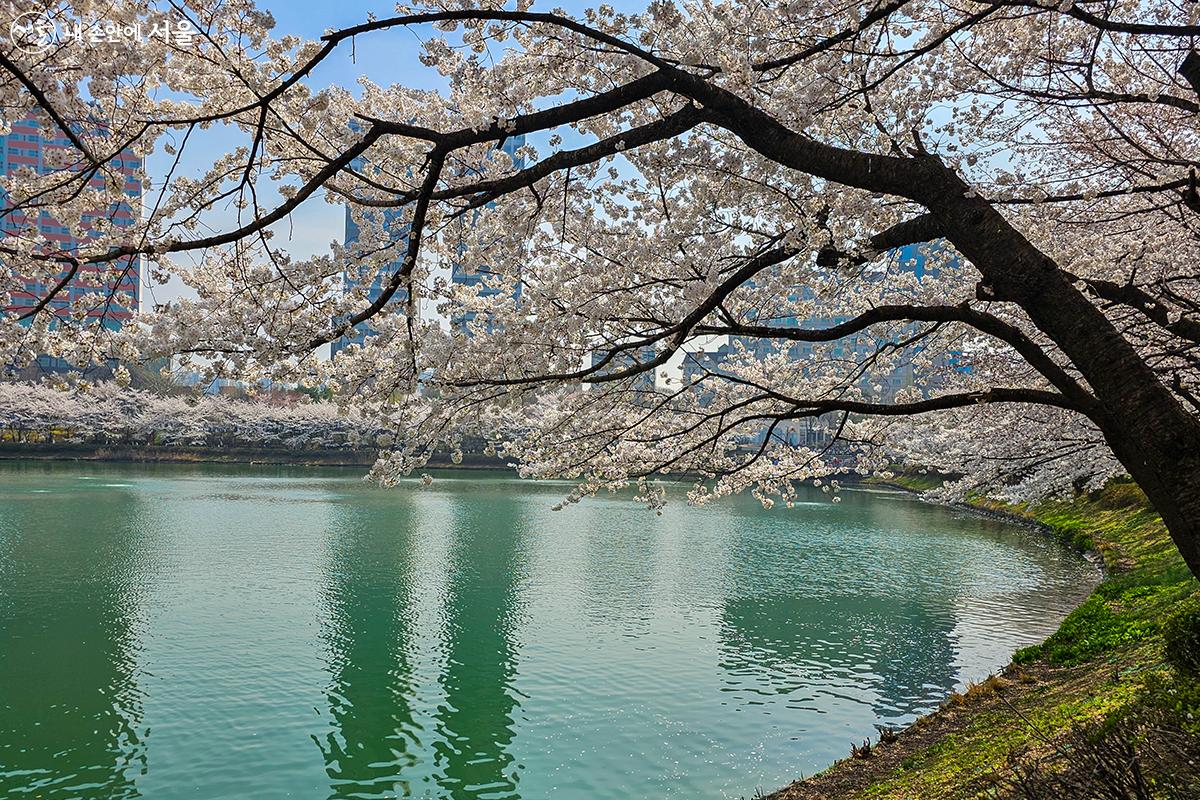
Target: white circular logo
33	32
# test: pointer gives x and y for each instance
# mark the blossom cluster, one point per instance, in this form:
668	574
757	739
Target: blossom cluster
698	179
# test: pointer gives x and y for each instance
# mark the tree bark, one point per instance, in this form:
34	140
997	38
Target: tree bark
1149	431
1146	426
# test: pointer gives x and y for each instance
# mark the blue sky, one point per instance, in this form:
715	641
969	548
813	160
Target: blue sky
387	57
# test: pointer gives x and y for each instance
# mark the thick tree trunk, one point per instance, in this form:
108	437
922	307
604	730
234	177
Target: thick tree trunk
1156	439
1146	426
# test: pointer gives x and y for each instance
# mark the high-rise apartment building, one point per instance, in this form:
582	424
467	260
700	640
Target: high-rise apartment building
478	278
109	292
394	224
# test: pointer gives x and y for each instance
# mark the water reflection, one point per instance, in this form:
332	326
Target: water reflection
899	651
369	629
465	642
70	703
858	606
381	653
619	569
475	721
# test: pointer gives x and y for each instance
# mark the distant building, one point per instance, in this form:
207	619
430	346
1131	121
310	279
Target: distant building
263	391
855	348
196	382
392	220
30	145
458	273
627	359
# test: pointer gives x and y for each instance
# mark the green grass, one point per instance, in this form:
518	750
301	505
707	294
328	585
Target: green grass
1106	659
1102	624
916	482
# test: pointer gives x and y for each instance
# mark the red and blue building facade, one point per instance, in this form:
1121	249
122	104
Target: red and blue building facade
109	290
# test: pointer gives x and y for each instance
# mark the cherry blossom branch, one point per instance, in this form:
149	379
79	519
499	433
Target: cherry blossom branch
805	407
44	102
1074	10
402	276
922	228
880	12
677	334
473	15
668	127
1138	299
986	323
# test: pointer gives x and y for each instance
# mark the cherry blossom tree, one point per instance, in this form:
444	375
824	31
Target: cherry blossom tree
698	172
106	413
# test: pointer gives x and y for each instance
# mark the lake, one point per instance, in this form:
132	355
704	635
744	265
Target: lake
259	632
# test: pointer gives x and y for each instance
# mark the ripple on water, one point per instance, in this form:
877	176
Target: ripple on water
229	633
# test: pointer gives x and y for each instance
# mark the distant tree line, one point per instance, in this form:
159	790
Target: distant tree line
108	414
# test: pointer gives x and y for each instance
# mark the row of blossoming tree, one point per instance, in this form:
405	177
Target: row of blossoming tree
697	171
108	414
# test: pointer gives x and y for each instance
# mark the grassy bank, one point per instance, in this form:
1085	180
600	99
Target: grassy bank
1107	707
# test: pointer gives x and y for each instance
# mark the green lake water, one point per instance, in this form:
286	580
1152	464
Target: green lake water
243	632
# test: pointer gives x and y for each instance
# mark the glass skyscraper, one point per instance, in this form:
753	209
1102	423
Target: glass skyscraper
394	224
